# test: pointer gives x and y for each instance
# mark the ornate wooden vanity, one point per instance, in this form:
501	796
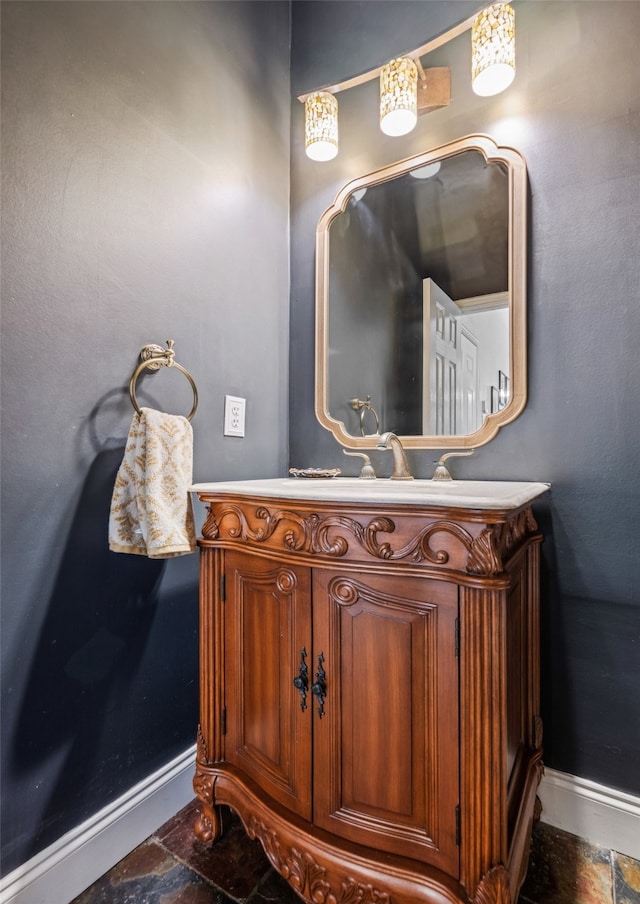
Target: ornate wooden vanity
370	685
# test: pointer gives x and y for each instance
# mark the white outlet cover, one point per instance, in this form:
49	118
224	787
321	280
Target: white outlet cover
234	412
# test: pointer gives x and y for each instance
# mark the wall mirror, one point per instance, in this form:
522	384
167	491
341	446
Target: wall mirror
421	299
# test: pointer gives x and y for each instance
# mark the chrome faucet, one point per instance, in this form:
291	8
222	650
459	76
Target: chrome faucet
400	464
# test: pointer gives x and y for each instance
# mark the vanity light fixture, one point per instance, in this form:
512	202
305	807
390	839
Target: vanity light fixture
407	90
321	126
493	50
398	96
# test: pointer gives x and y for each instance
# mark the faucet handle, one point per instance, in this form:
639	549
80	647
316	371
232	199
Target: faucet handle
442	472
367	472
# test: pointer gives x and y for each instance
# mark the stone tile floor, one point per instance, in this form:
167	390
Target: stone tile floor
172	867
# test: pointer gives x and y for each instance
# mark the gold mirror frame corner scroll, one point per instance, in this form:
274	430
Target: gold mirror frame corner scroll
517	173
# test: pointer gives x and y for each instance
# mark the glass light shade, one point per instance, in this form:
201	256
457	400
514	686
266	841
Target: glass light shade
398	97
493	50
321	126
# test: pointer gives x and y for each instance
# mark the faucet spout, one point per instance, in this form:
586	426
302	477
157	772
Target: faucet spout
400	465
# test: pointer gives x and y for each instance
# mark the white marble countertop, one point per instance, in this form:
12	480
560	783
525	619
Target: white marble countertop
474	494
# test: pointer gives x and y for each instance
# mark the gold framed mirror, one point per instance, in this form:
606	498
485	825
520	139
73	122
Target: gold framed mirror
421	299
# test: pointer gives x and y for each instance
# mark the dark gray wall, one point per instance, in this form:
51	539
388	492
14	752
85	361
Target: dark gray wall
145	197
574	112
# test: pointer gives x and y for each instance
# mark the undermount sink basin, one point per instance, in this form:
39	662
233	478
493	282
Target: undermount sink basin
485	494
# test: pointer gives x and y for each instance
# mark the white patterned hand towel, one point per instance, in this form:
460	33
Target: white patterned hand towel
151	512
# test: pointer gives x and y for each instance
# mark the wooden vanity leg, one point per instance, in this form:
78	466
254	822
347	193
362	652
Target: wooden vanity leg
208	825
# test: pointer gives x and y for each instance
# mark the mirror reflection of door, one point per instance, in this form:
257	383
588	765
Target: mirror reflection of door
441	360
470	414
451	403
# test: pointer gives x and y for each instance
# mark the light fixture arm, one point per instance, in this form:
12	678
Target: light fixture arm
419	67
415	55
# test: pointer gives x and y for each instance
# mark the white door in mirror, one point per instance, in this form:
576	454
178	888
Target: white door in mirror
234	411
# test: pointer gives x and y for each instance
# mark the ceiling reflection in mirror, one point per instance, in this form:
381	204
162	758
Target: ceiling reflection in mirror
420	297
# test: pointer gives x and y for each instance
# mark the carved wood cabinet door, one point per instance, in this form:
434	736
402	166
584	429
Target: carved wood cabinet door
267	633
341	694
386	746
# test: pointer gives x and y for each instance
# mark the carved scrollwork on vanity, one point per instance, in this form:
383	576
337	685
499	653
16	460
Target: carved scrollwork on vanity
328	535
309	879
203	786
203	780
202	754
308	533
496	543
207	826
494	887
210	526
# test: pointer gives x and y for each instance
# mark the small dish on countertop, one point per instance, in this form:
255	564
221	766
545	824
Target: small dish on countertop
314	472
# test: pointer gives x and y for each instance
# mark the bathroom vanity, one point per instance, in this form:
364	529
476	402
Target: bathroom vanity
370	683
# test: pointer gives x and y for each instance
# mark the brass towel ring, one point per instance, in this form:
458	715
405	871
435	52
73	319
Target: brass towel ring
153	357
363	407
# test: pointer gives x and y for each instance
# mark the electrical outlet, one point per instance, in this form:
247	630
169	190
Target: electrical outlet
234	411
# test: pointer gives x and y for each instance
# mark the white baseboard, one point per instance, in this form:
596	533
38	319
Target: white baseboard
64	869
601	815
